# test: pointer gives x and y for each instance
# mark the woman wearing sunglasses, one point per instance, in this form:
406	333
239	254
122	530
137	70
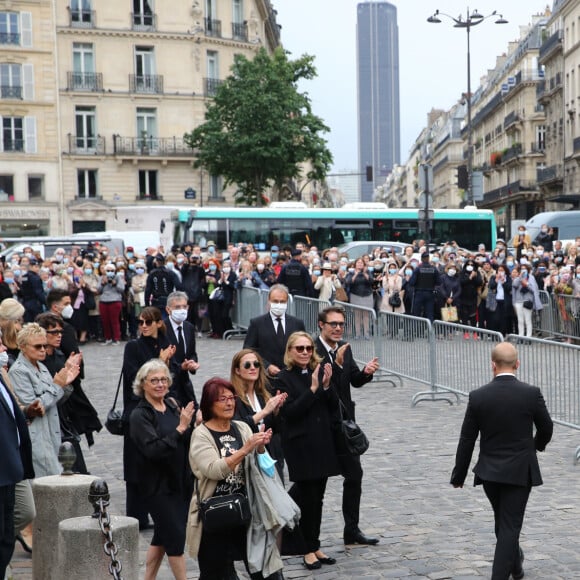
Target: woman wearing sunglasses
307	438
255	405
152	343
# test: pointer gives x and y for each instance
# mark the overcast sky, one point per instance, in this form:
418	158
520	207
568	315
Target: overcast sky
432	59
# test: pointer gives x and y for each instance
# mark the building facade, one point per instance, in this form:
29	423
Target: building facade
116	86
378	93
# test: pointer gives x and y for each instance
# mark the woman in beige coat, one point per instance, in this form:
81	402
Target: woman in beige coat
218	449
392	283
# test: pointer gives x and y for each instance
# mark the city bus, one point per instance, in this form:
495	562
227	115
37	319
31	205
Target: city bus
327	227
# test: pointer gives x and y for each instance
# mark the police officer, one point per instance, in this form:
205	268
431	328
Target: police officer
31	293
160	284
424	280
296	277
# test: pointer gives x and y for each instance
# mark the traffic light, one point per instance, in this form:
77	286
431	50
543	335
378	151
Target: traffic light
369	170
462	177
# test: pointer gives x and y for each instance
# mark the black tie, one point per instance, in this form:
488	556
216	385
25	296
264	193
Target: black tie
332	355
180	351
280	330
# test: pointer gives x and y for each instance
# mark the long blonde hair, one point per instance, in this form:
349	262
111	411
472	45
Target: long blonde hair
238	383
292	339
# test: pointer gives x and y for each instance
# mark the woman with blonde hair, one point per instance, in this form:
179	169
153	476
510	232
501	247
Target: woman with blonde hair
11	317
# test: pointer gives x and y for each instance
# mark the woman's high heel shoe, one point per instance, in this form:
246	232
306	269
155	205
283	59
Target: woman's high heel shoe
23	543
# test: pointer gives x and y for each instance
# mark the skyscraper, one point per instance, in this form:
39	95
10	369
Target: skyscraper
378	92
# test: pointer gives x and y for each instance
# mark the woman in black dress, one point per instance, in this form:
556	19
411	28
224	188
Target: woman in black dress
307	439
152	343
160	432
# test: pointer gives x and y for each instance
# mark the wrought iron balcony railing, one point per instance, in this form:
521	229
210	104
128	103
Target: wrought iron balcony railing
213	27
10	92
85	81
146	84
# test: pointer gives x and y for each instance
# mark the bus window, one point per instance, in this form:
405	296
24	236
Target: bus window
467	233
203	231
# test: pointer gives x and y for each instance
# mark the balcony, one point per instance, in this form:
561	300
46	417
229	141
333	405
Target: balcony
13	145
149	197
80	145
511	119
537	148
140	21
151	146
240	31
213	27
10	92
550	45
211	86
82	18
151	84
511	189
552	174
10	38
556	81
511	153
88	81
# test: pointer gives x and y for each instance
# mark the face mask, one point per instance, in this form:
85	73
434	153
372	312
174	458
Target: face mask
351	270
67	311
179	315
510	264
469	268
343	268
540	253
59	257
28	254
408	272
16	273
120	264
139	270
70	270
130	255
278	309
131	266
96	264
226	270
577	274
316	272
110	274
274	255
541	269
260	267
211	250
104	254
180	260
212	268
88	271
3	359
452	272
392	271
522	232
524	274
370	269
9	280
435	259
544	230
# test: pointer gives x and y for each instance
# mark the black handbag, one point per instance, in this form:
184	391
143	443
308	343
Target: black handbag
114	423
528	304
354	438
395	299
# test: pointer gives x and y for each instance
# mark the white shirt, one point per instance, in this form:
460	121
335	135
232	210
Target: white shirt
175	326
275	322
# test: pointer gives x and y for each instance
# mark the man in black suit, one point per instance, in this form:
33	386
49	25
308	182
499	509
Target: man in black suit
181	334
504	413
345	372
268	334
16	453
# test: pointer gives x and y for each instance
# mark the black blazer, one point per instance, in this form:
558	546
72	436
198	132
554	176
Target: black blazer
16	458
504	413
182	389
343	378
308	435
262	338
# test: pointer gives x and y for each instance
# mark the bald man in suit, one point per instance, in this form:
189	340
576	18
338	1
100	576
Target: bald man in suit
503	413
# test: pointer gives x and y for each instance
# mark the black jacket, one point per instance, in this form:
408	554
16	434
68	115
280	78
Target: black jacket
182	389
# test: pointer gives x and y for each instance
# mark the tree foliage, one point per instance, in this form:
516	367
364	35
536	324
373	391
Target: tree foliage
259	128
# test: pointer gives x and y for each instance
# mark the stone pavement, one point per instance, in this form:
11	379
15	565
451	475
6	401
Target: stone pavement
427	529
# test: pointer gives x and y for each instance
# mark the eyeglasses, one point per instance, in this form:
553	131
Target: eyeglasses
57	332
255	363
142	322
159	380
39	346
302	348
335	324
224	399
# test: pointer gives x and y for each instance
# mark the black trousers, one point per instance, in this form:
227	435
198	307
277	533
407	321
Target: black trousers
351	470
509	506
6	526
309	495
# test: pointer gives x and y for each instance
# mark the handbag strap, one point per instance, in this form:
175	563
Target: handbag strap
118	389
343	410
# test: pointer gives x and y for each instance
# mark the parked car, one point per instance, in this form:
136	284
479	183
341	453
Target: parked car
355	250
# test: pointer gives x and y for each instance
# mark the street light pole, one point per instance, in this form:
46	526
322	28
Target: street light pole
471	19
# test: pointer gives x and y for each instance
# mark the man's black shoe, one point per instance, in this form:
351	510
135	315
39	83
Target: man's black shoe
520	573
359	538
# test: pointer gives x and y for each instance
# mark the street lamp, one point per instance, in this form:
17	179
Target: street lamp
471	19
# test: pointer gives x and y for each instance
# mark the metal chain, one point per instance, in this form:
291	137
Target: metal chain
109	546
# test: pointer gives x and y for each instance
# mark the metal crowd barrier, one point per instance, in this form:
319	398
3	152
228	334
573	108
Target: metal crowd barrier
248	303
307	309
554	368
560	317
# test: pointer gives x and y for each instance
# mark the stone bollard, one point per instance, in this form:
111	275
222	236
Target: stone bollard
57	498
80	549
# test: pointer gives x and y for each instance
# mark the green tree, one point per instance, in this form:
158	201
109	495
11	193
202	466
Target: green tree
259	128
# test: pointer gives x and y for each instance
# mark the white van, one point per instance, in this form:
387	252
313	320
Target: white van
140	241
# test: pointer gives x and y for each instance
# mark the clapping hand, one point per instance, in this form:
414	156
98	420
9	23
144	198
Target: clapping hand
185	417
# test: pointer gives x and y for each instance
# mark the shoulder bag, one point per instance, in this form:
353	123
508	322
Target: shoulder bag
224	512
114	423
354	438
395	299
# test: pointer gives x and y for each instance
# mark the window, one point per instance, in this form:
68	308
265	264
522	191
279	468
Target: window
148	184
35	187
541	137
215	190
87	183
81	13
11	81
146	81
6	188
147	130
239	29
85	125
12	133
143	17
9	28
83	77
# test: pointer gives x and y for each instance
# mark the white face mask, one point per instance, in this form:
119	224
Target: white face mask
278	309
452	272
179	315
226	270
260	267
3	359
67	311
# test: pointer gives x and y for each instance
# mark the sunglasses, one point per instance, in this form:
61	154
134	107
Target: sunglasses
142	322
255	363
302	348
56	332
39	346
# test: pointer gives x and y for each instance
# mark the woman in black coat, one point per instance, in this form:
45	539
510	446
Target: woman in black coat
152	343
501	285
161	432
449	290
470	280
307	439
